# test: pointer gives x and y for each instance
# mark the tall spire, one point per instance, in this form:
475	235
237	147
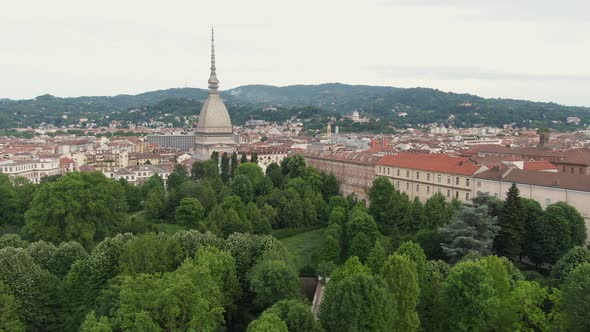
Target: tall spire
213	81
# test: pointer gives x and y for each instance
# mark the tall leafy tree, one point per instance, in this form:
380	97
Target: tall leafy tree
94	324
222	267
88	277
380	195
244	158
155	204
438	212
192	301
234	223
9	311
474	294
532	245
151	253
401	277
85	207
551	236
296	314
360	246
413	251
431	308
9	204
573	258
190	212
330	186
268	322
577	226
573	304
512	222
242	187
376	258
177	177
359	302
272	280
331	249
34	289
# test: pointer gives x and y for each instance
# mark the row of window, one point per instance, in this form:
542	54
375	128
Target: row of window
384	170
22	167
428	190
572	170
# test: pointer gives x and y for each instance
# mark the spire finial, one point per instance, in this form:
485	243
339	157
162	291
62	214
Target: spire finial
213	81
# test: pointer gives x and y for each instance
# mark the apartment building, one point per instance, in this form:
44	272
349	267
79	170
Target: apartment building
33	170
544	187
355	171
423	175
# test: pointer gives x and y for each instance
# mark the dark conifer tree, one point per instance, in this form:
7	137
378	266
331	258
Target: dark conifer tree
234	164
215	157
512	225
225	171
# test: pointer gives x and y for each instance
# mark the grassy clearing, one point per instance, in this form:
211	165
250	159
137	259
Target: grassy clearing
304	246
137	225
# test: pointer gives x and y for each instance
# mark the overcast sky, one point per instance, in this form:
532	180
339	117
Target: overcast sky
529	49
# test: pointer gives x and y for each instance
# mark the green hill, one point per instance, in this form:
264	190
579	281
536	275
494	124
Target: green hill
395	106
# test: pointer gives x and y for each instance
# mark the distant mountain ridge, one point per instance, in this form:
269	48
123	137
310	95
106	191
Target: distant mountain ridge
415	105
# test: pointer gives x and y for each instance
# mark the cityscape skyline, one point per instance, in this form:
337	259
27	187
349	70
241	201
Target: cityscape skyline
533	52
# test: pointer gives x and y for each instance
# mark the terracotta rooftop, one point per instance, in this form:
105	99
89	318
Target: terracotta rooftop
577	156
538	178
344	156
542	165
431	162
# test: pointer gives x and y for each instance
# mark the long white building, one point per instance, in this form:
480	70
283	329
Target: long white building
33	170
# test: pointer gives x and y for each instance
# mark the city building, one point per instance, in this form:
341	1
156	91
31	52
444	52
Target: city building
179	142
576	161
138	174
355	171
214	130
422	175
33	170
544	187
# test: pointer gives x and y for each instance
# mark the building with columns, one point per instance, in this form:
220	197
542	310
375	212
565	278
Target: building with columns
214	130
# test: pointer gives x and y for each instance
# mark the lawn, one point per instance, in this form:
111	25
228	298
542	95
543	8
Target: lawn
304	245
138	224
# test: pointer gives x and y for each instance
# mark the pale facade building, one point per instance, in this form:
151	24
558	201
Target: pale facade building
423	175
33	170
355	171
544	187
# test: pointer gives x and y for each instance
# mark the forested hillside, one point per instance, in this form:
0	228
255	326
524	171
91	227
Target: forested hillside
82	252
422	105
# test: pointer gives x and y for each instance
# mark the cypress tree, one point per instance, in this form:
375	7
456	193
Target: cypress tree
215	157
225	172
512	225
234	164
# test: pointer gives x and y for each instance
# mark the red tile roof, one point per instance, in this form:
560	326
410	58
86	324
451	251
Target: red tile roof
577	156
538	178
431	162
538	166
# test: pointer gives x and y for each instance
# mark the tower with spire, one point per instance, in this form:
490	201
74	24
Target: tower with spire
214	130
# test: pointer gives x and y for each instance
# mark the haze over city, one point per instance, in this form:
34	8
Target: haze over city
535	50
